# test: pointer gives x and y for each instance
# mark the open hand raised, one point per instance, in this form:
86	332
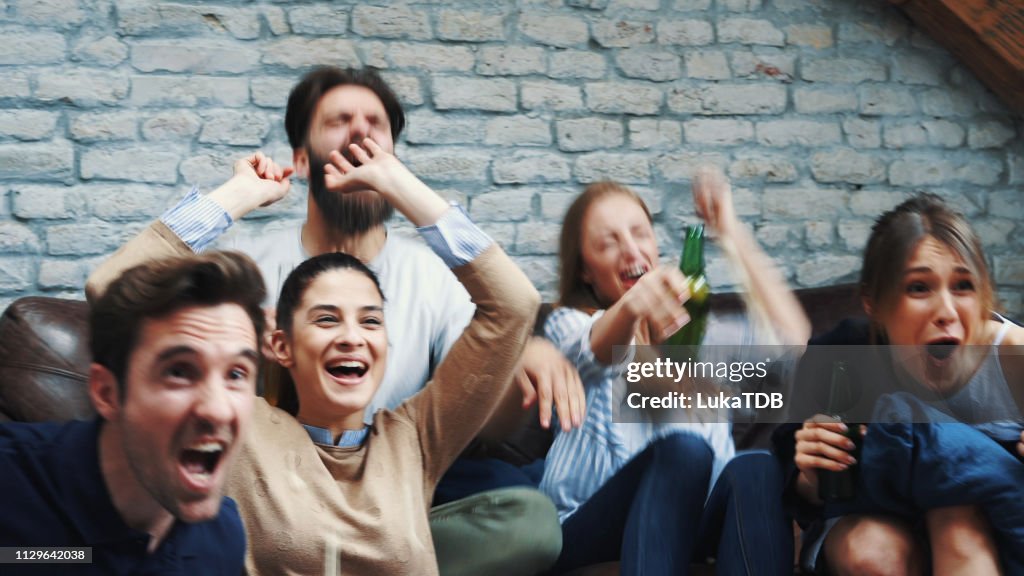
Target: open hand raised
372	169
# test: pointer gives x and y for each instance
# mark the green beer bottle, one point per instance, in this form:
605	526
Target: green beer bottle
691	263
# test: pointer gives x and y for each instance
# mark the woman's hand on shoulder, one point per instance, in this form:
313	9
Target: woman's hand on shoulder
821	444
656	300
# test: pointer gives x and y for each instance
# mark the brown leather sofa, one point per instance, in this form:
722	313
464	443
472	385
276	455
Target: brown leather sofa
44	366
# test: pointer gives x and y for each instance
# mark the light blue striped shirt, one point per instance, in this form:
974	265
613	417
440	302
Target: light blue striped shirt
198	221
582	460
455	238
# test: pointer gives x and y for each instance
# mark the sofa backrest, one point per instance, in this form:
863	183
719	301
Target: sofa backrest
44	356
44	360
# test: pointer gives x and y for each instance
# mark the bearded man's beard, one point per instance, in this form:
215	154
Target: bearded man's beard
350	212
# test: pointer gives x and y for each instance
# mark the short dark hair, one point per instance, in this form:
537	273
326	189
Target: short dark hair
306	95
293	290
162	287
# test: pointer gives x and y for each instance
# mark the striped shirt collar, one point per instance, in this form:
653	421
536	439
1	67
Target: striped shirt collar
348	438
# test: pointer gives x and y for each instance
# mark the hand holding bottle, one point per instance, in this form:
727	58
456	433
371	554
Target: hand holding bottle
691	265
656	300
767	296
823	443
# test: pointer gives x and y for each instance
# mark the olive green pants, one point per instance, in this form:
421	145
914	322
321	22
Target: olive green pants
506	532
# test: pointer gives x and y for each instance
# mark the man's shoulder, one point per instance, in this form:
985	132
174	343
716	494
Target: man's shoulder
36	443
37	459
407	263
29	435
406	249
261	237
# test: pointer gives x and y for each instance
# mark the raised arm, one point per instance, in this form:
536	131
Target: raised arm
767	293
478	370
197	220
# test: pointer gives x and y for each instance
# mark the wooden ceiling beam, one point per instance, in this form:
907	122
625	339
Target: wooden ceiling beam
986	35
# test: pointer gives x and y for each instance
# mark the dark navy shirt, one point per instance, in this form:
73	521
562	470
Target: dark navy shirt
52	493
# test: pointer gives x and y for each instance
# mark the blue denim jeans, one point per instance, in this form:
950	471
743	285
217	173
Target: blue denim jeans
467	477
744	526
655	518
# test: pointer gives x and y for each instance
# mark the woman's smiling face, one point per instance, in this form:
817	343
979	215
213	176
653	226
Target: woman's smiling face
337	350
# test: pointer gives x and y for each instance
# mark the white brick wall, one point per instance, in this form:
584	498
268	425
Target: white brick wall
824	113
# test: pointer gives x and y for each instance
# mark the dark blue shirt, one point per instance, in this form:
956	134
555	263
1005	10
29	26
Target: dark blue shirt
52	493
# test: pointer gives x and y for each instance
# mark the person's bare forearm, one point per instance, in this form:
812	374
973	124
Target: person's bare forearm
232	198
412	197
615	328
770	290
767	294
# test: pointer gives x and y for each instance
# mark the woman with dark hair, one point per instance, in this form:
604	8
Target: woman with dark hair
938	494
319	491
639	492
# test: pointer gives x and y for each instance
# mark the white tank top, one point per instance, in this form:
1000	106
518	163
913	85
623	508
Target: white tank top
986	400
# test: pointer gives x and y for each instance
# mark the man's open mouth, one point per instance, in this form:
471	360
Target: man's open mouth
200	461
347	153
